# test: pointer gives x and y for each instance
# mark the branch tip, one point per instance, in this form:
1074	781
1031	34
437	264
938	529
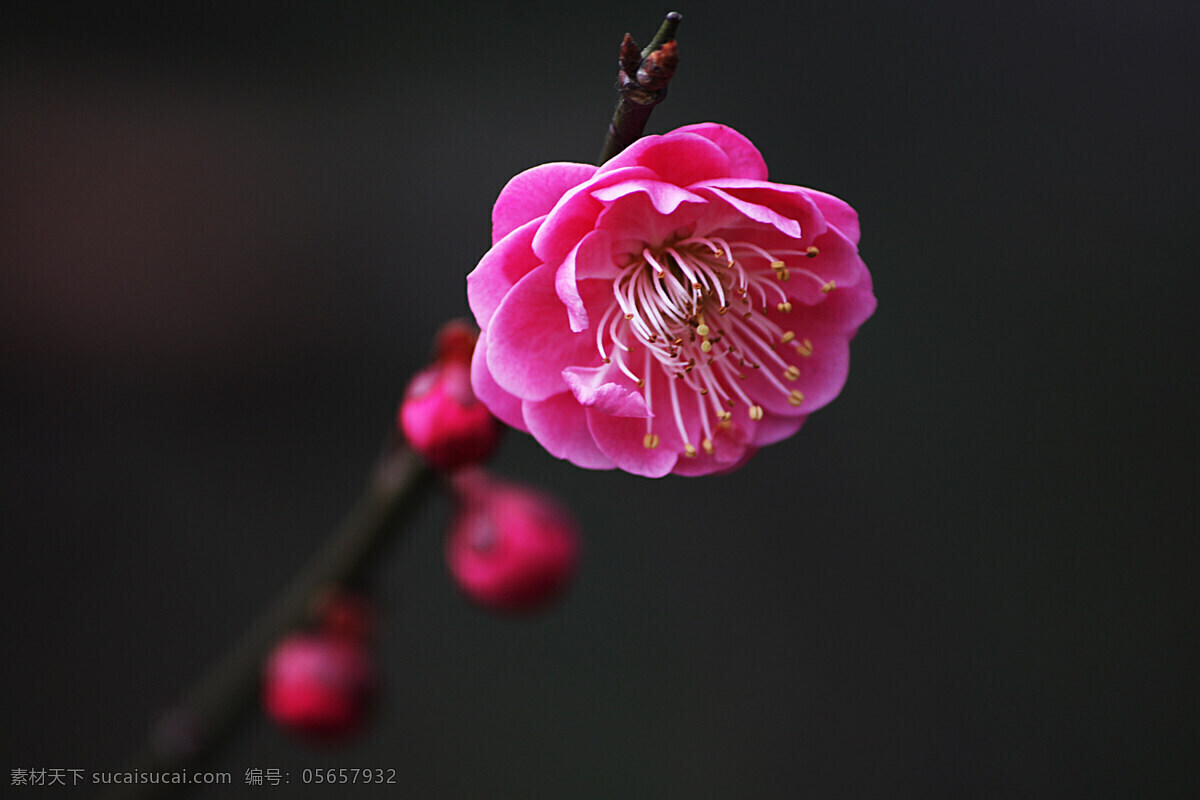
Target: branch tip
642	83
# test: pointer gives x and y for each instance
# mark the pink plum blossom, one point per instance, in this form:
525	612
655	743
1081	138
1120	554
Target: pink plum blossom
669	311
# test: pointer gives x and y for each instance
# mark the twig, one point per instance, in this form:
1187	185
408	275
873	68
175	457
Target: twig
194	727
642	83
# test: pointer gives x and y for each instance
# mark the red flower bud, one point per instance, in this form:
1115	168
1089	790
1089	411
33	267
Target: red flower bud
509	548
440	416
346	614
319	686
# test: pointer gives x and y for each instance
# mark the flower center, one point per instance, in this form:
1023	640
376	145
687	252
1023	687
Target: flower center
698	310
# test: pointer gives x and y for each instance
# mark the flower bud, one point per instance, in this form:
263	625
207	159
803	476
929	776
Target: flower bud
319	686
509	548
346	614
440	416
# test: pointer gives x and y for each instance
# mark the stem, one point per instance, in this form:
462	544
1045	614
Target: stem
217	700
637	99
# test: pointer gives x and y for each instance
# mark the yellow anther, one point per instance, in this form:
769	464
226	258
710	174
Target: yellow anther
756	412
707	445
702	329
629	316
811	251
641	382
829	287
785	307
788	336
689	451
805	348
796	397
792	372
782	274
726	416
706	345
777	265
650	441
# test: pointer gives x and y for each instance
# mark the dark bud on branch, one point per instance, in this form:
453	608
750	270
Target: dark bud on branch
658	68
631	56
642	83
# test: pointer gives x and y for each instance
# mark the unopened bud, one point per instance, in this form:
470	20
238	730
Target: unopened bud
319	686
631	56
509	548
659	67
346	614
440	416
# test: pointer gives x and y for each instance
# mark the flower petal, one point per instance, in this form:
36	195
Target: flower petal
822	374
622	440
530	340
678	158
592	257
502	404
843	310
790	202
635	225
509	260
664	196
575	213
732	446
773	428
560	425
704	464
751	210
533	193
837	213
606	389
744	159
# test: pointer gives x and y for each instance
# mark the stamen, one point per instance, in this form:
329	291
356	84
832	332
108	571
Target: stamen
704	421
646	396
651	261
678	414
621	366
600	331
670	298
724	245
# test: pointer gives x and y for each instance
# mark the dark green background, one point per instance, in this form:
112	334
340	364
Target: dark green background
229	231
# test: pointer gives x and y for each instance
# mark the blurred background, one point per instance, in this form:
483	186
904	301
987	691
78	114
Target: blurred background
229	230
